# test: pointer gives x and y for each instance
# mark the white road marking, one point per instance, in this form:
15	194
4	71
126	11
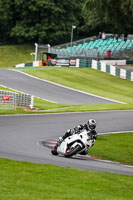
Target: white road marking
68	113
69	87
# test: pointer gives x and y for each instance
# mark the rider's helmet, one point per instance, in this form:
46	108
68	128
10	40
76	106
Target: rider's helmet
91	124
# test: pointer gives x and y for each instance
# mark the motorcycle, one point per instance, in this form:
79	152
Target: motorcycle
75	144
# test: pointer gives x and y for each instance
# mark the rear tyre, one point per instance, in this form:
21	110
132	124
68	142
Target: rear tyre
72	151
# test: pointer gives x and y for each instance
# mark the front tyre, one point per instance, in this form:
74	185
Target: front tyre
54	151
72	151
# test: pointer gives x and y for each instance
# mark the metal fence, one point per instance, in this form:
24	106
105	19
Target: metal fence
10	98
81	41
93	53
70	51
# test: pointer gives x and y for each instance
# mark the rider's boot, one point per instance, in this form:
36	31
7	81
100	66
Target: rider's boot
59	142
54	150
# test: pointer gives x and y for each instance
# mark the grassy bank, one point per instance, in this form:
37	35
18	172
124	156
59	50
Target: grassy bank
90	81
114	147
11	55
24	181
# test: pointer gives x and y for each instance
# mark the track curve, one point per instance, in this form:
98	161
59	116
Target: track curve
20	135
48	90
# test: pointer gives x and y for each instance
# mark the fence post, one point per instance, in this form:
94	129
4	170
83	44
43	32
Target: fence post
14	101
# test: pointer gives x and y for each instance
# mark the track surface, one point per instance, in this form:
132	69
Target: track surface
46	90
20	136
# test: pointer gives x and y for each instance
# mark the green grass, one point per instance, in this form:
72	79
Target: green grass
115	147
90	81
7	89
40	106
6	107
24	181
11	55
83	108
46	105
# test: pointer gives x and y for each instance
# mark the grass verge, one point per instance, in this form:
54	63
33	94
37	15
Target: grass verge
7	89
24	181
114	147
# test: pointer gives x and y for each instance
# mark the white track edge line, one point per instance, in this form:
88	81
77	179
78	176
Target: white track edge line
69	87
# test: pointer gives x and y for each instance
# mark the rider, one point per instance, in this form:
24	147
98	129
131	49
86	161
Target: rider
89	126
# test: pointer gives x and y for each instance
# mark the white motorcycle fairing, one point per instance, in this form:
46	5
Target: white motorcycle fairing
83	140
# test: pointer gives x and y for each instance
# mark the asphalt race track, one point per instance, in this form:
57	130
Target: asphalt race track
20	135
46	90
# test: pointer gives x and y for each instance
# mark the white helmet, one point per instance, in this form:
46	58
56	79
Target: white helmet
91	124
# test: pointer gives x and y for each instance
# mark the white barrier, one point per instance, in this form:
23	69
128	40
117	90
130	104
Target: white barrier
114	62
113	70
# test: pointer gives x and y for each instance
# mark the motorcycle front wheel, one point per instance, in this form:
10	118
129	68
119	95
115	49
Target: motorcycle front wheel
72	151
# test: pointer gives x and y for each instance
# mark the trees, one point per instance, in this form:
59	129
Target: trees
44	21
50	21
109	15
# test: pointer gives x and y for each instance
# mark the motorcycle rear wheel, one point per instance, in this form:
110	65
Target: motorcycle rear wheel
70	152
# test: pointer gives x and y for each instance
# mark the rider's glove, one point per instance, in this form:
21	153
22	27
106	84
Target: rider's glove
85	127
68	131
76	129
94	137
81	127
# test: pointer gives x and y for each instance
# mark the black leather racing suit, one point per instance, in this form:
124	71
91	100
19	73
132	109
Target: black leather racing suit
77	130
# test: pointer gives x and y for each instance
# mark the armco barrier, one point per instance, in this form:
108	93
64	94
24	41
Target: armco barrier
19	99
113	70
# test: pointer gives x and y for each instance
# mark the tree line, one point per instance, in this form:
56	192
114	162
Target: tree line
50	21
